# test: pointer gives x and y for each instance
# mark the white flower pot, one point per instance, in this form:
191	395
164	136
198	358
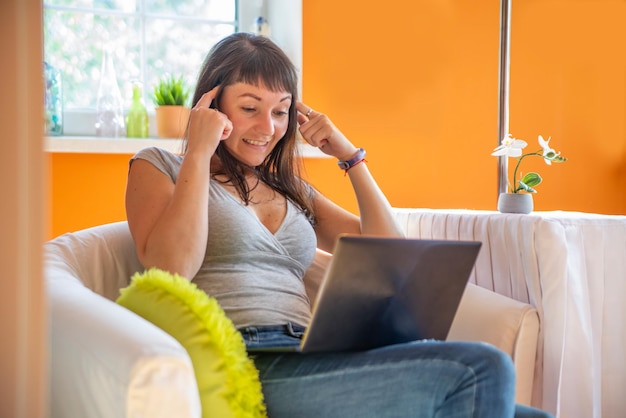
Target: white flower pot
515	203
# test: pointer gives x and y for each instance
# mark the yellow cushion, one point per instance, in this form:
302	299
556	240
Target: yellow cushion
228	381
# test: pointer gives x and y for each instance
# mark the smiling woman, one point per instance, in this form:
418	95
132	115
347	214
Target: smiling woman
233	215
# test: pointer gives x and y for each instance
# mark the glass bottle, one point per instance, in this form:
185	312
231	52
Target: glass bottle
53	100
109	108
137	119
261	27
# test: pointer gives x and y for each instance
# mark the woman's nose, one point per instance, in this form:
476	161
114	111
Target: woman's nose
266	124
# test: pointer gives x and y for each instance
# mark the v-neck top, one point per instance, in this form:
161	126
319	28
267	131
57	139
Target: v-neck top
254	274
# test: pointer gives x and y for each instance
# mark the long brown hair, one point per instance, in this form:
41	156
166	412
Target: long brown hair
254	59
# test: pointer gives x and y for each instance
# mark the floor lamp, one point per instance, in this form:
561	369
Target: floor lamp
503	99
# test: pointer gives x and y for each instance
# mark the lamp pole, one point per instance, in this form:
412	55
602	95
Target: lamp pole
503	98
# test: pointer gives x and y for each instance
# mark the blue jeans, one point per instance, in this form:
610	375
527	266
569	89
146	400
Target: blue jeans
417	379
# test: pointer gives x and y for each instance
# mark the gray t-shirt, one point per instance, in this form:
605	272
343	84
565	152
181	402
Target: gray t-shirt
255	275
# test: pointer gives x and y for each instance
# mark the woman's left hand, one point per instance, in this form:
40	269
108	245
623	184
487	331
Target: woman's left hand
318	130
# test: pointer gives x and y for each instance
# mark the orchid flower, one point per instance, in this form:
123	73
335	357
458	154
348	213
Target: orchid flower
512	147
550	154
547	151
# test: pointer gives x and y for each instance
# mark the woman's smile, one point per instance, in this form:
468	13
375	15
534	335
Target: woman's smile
255	142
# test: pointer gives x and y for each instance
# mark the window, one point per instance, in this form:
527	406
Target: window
147	39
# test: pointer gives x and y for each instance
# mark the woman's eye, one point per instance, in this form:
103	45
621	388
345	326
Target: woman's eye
277	113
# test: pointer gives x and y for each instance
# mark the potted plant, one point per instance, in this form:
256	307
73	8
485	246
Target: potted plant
516	201
172	113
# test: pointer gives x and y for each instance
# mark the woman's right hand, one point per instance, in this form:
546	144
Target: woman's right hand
207	126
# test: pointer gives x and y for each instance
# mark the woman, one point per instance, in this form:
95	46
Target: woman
234	215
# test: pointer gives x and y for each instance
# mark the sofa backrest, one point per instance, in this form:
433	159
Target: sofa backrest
103	258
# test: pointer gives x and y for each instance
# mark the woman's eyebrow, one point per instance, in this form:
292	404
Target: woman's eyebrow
254	96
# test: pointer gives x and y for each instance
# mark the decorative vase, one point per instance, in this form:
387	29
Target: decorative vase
137	118
172	121
515	203
53	100
109	107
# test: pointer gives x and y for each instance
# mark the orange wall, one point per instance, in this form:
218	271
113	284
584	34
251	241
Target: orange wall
417	86
86	190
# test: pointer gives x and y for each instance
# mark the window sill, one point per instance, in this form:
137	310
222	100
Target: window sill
98	145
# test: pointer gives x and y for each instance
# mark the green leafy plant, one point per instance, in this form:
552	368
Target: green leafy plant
170	91
512	147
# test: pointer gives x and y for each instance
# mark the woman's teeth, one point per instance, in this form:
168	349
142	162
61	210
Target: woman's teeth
253	142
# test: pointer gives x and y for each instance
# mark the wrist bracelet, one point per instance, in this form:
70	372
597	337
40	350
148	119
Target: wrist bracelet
357	158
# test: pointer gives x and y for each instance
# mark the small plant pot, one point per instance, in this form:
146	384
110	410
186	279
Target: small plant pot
172	121
515	203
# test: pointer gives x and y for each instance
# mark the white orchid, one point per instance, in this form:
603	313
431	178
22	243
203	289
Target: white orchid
549	154
512	147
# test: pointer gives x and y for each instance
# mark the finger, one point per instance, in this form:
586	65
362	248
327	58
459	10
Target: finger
305	110
228	129
301	107
207	98
314	133
302	119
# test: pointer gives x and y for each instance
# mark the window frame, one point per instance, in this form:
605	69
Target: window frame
285	17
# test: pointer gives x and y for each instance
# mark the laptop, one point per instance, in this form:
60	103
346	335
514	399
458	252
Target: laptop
383	291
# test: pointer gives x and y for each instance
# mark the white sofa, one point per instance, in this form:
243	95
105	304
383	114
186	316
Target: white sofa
571	267
107	362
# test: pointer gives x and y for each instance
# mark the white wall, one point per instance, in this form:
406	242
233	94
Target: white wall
285	21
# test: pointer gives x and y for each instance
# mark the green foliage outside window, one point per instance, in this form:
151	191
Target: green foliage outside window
146	38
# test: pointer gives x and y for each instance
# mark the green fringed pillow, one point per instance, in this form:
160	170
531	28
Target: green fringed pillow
228	381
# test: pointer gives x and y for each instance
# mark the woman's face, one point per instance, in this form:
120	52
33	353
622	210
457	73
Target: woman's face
260	118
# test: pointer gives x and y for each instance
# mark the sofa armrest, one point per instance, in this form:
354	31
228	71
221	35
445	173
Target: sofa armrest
510	325
107	362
